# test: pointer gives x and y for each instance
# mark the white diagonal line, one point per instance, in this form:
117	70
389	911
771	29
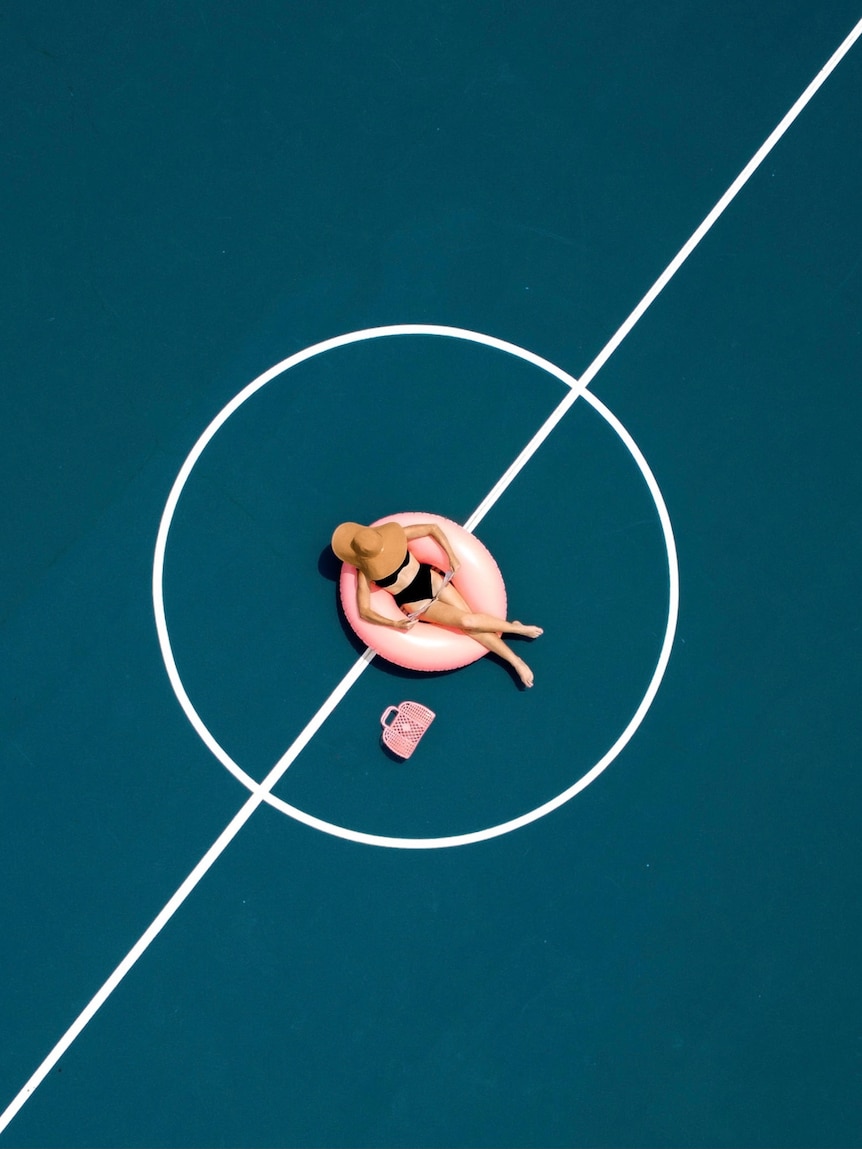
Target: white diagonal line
669	272
260	791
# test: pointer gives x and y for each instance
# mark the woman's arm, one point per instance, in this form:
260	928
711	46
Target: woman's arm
424	530
366	612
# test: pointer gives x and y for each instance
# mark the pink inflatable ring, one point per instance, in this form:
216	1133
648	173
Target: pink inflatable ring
426	646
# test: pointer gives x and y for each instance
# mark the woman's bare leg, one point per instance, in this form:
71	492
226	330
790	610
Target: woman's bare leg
484	628
497	646
479	621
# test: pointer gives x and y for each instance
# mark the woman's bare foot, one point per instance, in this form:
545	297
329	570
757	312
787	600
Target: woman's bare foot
527	631
523	671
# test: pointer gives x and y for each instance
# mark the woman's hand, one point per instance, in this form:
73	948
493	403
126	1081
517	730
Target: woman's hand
403	623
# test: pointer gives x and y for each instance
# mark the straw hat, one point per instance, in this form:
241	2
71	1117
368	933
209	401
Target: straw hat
377	551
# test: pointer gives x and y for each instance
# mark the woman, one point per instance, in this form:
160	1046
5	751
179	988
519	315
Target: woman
381	556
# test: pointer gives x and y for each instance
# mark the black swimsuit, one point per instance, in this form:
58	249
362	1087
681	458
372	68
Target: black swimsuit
418	590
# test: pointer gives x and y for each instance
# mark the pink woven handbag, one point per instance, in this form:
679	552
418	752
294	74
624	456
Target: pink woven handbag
409	721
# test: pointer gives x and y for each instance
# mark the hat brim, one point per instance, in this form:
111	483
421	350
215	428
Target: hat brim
391	553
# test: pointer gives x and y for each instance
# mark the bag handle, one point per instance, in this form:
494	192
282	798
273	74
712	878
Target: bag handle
384	716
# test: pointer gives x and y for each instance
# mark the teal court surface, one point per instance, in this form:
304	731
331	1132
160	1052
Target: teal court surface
585	278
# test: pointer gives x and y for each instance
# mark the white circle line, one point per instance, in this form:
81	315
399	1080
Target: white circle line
90	1009
264	788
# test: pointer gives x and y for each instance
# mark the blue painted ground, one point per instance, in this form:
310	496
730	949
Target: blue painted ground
195	191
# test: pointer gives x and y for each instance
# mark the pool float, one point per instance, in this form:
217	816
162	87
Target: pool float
427	646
